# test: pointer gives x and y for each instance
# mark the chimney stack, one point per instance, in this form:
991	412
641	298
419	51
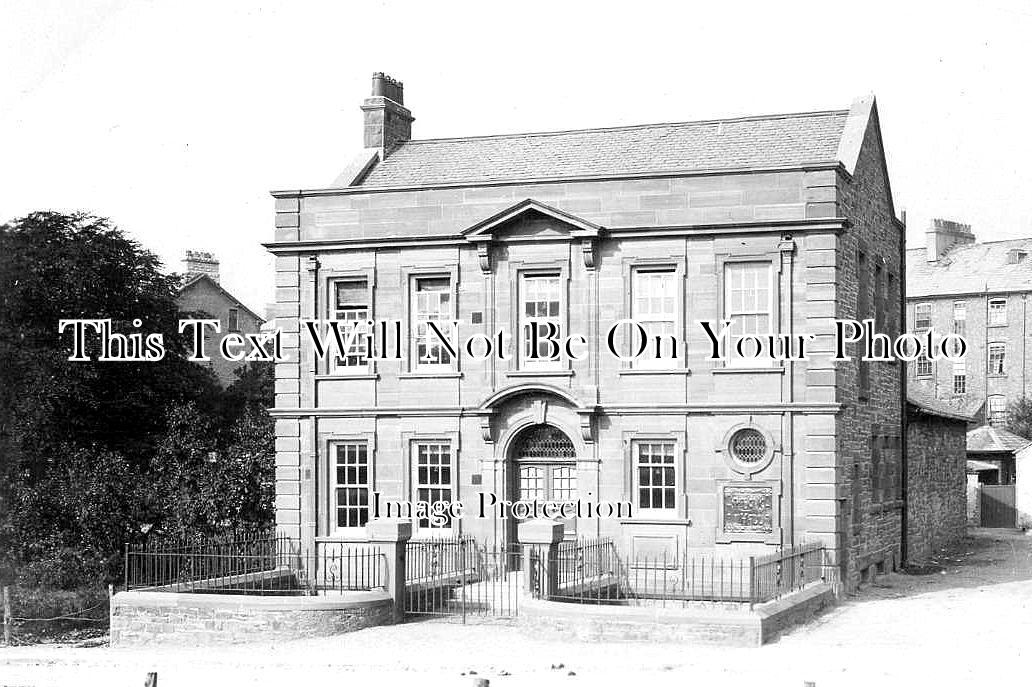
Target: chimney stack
198	262
387	122
944	234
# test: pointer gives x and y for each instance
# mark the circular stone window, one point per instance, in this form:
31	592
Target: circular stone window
748	446
747	449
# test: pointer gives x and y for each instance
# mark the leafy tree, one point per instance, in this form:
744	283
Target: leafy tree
92	453
181	470
253	389
73	523
53	267
245	480
1019	417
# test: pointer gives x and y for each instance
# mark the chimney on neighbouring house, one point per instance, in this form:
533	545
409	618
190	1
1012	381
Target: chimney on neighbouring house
387	122
198	262
944	234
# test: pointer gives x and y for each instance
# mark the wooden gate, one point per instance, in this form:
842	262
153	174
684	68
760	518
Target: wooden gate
998	505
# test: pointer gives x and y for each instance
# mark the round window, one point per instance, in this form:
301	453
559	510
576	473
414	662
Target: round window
748	446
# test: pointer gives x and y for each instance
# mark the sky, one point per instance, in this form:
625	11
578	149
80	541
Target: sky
176	119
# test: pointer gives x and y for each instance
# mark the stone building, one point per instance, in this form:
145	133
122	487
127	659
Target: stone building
201	295
999	479
981	291
936	495
780	224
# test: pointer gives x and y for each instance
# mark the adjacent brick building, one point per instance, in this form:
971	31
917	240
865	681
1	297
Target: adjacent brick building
979	290
201	295
779	223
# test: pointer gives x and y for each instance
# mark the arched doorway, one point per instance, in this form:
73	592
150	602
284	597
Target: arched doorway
543	467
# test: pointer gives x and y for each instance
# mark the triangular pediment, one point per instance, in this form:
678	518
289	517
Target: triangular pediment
530	219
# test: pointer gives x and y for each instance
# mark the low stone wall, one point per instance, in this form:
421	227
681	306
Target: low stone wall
795	609
142	617
723	627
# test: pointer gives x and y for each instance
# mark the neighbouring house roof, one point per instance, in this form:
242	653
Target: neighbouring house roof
198	278
989	439
920	402
971	268
750	142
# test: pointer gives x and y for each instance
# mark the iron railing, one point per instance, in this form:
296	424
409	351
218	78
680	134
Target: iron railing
435	559
586	564
784	572
263	565
592	571
459	577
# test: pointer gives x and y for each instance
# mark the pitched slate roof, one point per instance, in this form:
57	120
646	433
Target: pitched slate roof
196	279
972	268
989	439
922	402
751	142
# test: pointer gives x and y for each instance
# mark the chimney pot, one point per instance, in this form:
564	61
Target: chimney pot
944	234
388	123
201	262
377	84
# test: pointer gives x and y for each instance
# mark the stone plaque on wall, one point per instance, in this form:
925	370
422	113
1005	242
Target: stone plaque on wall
748	509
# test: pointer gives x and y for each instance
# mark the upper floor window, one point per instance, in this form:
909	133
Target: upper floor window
959	323
748	304
431	302
863	311
890	304
959	377
351	484
884	469
654	307
350	305
233	318
879	298
540	303
997	353
997	410
863	303
923	365
997	312
922	316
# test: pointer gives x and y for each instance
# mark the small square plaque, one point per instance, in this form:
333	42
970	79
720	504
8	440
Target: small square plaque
748	509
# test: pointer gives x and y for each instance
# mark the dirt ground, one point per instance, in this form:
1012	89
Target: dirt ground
964	619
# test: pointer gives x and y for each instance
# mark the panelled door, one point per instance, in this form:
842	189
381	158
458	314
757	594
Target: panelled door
545	469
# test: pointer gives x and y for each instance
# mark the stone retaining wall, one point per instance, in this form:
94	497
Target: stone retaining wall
140	617
587	622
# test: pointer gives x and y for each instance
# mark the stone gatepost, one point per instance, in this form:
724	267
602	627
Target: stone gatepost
540	539
390	537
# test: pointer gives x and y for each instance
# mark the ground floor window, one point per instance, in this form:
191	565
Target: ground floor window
351	484
434	478
656	476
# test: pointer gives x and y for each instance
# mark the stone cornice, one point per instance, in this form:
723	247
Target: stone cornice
796	226
725	171
756	408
